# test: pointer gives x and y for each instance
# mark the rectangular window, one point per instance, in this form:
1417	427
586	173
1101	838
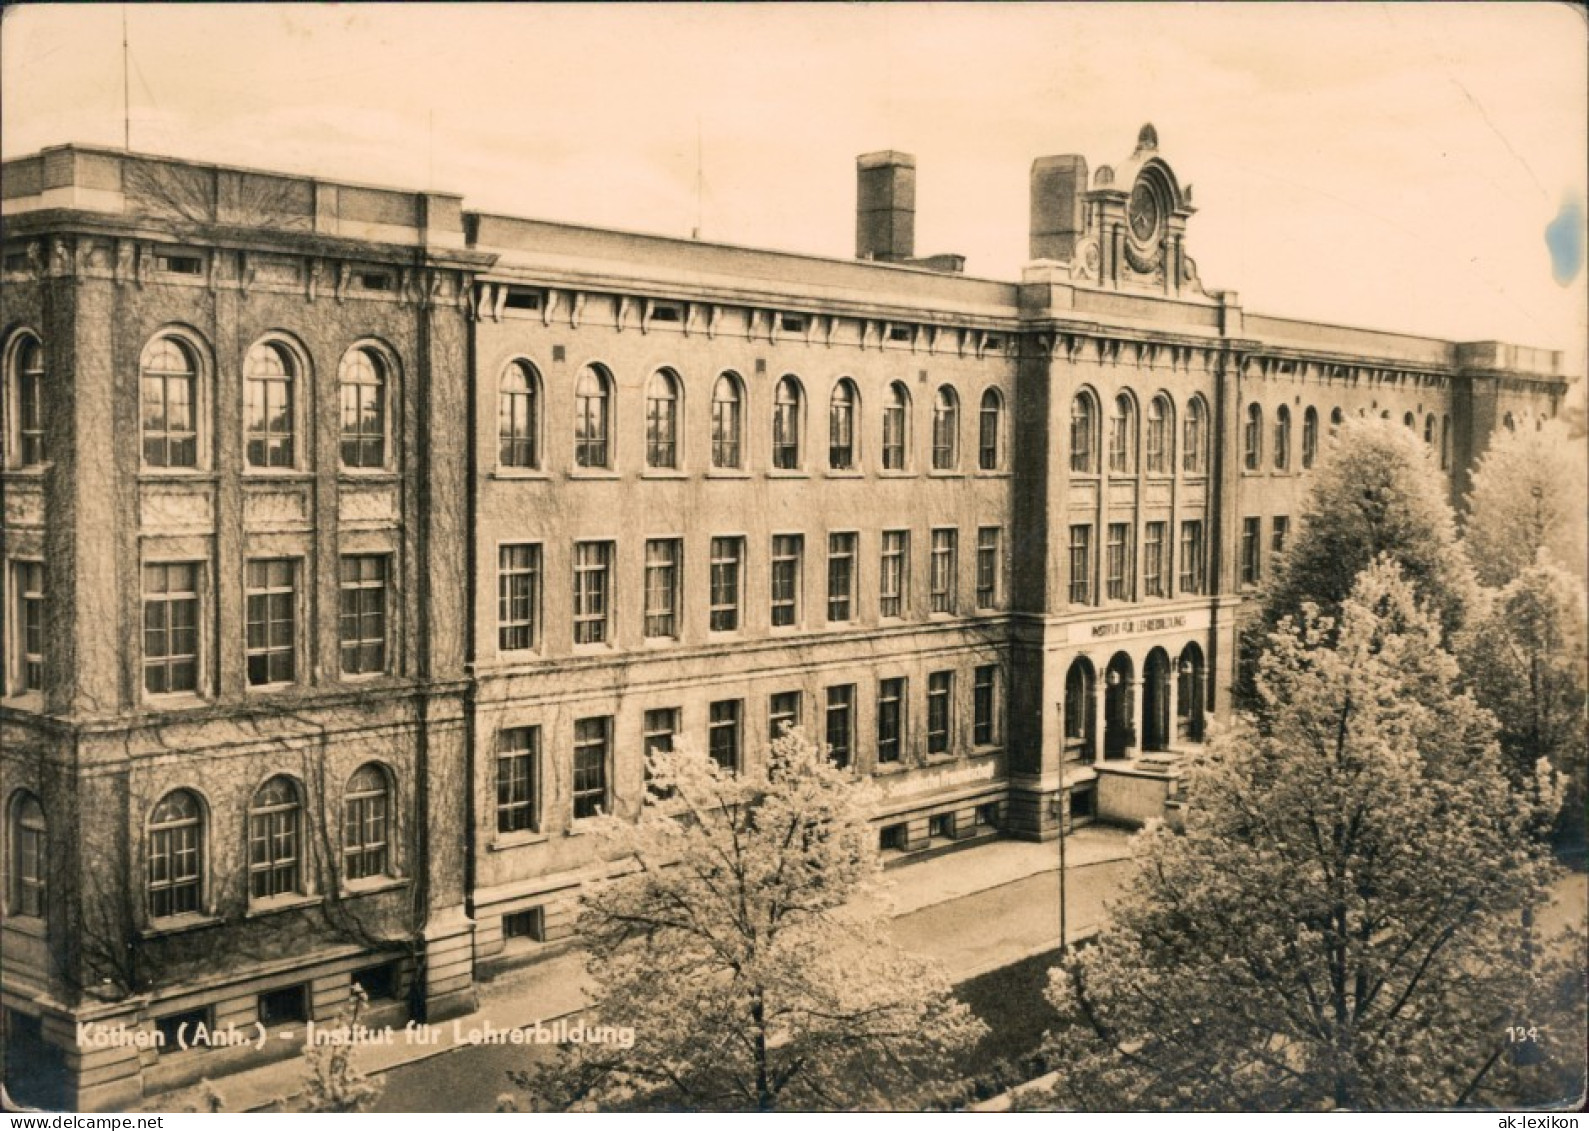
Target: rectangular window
840	724
662	587
661	724
518	597
592	591
1250	549
890	719
27	579
171	628
1278	534
271	614
723	733
728	555
786	550
841	577
894	575
379	983
1081	565
173	1026
1153	560
783	713
945	570
941	826
527	924
988	539
1191	557
290	1003
518	766
592	745
1118	560
985	706
940	711
363	619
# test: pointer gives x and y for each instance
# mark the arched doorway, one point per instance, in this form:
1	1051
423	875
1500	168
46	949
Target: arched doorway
1189	693
1119	710
1156	701
1081	713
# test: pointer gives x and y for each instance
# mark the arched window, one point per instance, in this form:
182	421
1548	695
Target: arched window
269	381
1337	418
1122	436
363	379
169	387
1194	438
1445	443
896	428
786	425
592	418
1310	437
727	417
518	416
1252	439
1410	422
1283	438
176	855
1159	441
275	840
1429	431
29	855
1508	423
662	419
990	424
366	824
25	388
1080	711
1083	427
946	430
841	426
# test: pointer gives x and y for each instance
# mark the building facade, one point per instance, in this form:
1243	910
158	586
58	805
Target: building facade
357	547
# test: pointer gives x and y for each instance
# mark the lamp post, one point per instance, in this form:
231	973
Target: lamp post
1060	804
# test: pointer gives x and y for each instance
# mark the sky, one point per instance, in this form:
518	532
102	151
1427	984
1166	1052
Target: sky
1386	165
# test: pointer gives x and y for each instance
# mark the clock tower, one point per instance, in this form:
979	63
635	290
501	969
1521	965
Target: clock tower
1125	229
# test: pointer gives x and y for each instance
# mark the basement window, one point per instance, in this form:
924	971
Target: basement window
290	1003
171	1027
379	983
892	838
527	924
988	815
942	826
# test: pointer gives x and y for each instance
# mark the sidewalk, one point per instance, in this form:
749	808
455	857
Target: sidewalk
921	894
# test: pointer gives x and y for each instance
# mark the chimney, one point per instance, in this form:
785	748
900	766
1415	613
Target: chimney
1057	218
885	206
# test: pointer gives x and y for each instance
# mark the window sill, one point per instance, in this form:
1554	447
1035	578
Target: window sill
176	475
506	841
260	908
266	690
658	643
941	759
179	702
843	473
946	473
526	473
375	885
664	473
889	768
179	924
366	475
30	925
31	701
31	471
728	473
598	648
277	475
786	473
896	474
595	474
995	473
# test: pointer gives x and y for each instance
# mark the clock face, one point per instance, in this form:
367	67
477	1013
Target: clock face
1144	212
